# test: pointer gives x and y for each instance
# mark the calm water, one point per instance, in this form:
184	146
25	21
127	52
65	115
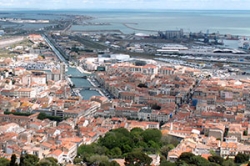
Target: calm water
80	82
224	22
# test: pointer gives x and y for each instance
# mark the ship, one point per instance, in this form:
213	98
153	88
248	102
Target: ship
244	43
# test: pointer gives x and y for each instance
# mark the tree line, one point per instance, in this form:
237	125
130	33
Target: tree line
134	146
28	160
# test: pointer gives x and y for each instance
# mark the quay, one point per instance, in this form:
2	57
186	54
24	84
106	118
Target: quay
70	81
82	70
137	29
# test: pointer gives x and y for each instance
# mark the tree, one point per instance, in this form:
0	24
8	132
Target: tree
13	160
165	149
212	152
181	163
123	131
44	162
156	107
241	158
245	133
137	159
226	132
216	159
42	116
166	139
142	85
186	157
48	161
77	160
13	82
168	163
126	148
152	134
214	164
4	162
136	135
113	163
116	152
28	160
118	138
87	150
228	162
199	161
110	140
136	130
97	159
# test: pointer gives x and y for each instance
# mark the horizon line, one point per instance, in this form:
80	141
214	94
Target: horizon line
101	9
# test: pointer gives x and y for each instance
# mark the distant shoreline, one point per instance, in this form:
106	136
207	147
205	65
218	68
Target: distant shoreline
152	20
108	10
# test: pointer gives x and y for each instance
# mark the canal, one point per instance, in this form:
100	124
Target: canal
80	82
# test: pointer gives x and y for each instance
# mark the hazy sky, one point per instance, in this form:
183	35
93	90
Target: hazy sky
126	4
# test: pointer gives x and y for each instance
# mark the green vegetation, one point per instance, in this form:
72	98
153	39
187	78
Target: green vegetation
48	161
188	159
24	43
142	85
5	54
4	162
156	107
241	158
216	159
32	160
137	159
134	146
120	143
28	160
17	113
245	133
43	116
13	160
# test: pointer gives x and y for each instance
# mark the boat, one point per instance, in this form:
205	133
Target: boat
244	43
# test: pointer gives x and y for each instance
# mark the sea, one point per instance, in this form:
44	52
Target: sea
234	22
211	21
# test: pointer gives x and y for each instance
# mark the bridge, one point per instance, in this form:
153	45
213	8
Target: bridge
87	88
77	76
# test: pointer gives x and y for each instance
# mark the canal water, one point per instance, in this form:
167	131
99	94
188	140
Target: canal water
80	82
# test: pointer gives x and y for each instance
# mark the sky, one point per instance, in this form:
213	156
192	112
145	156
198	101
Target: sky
126	4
